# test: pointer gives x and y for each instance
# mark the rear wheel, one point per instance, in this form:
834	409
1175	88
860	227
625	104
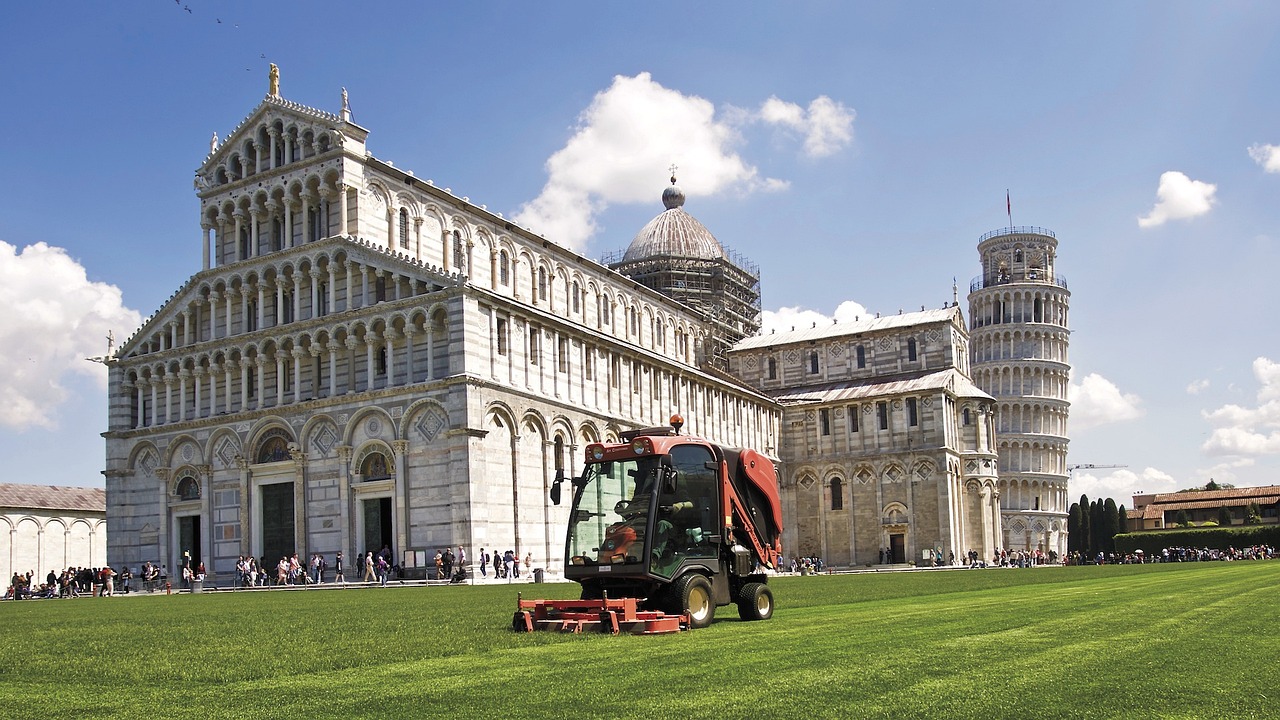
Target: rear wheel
755	602
692	596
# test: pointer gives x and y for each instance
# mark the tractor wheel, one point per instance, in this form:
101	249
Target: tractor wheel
691	595
755	602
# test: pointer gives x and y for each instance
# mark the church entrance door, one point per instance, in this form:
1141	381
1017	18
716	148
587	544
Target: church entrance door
897	548
277	522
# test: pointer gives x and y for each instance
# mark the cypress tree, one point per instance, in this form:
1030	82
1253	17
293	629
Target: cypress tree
1122	520
1073	528
1097	528
1083	546
1110	521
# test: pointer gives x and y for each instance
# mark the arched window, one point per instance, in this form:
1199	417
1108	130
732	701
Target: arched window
862	357
911	349
542	283
837	494
375	467
188	489
404	228
273	449
575	297
772	365
504	268
813	362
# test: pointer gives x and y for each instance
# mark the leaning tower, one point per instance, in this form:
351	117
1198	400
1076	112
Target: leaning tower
1019	337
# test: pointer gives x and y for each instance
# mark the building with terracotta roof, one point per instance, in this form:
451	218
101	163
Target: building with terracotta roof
48	527
1159	511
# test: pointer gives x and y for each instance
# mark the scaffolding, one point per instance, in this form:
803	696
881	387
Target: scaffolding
725	291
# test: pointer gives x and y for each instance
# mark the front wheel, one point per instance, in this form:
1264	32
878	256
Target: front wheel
692	596
755	602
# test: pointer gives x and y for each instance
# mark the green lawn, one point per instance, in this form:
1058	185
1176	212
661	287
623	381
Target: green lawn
1170	641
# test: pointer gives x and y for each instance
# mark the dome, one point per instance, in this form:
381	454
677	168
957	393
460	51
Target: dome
674	233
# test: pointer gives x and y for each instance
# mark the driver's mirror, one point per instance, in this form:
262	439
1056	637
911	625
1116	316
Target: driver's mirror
668	480
555	487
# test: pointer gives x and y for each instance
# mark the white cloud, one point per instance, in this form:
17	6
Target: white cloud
619	153
827	124
797	318
1097	401
54	318
1198	386
1249	431
1179	197
635	129
1268	156
1121	484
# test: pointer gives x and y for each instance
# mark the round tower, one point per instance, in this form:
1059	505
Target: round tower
1018	331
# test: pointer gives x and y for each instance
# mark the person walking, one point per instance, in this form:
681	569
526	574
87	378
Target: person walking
109	581
484	563
368	568
338	575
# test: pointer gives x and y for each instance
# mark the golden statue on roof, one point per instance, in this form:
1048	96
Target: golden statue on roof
273	88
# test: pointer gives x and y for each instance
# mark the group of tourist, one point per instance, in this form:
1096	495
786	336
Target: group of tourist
73	582
1176	554
506	565
806	565
290	570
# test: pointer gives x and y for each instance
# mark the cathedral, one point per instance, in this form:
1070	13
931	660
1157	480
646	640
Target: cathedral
365	360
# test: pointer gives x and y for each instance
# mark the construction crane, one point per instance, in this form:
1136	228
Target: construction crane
1090	466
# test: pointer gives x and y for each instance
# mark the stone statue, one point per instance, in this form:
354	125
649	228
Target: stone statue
213	143
274	87
345	105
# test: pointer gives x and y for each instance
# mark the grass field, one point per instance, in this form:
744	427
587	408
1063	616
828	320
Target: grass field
1193	640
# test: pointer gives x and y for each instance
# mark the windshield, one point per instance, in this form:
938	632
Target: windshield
611	524
611	512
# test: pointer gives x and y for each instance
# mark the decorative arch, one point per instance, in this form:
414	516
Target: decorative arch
895	513
320	436
273	445
375	461
426	418
145	457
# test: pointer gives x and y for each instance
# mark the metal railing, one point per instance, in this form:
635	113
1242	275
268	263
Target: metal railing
1019	230
1027	276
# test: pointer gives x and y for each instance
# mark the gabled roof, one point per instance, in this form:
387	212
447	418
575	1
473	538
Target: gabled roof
949	379
52	497
274	103
862	325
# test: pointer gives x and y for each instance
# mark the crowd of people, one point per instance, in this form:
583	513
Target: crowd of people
1176	554
806	565
72	582
506	565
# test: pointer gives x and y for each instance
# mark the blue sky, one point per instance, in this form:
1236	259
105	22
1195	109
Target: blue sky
855	151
